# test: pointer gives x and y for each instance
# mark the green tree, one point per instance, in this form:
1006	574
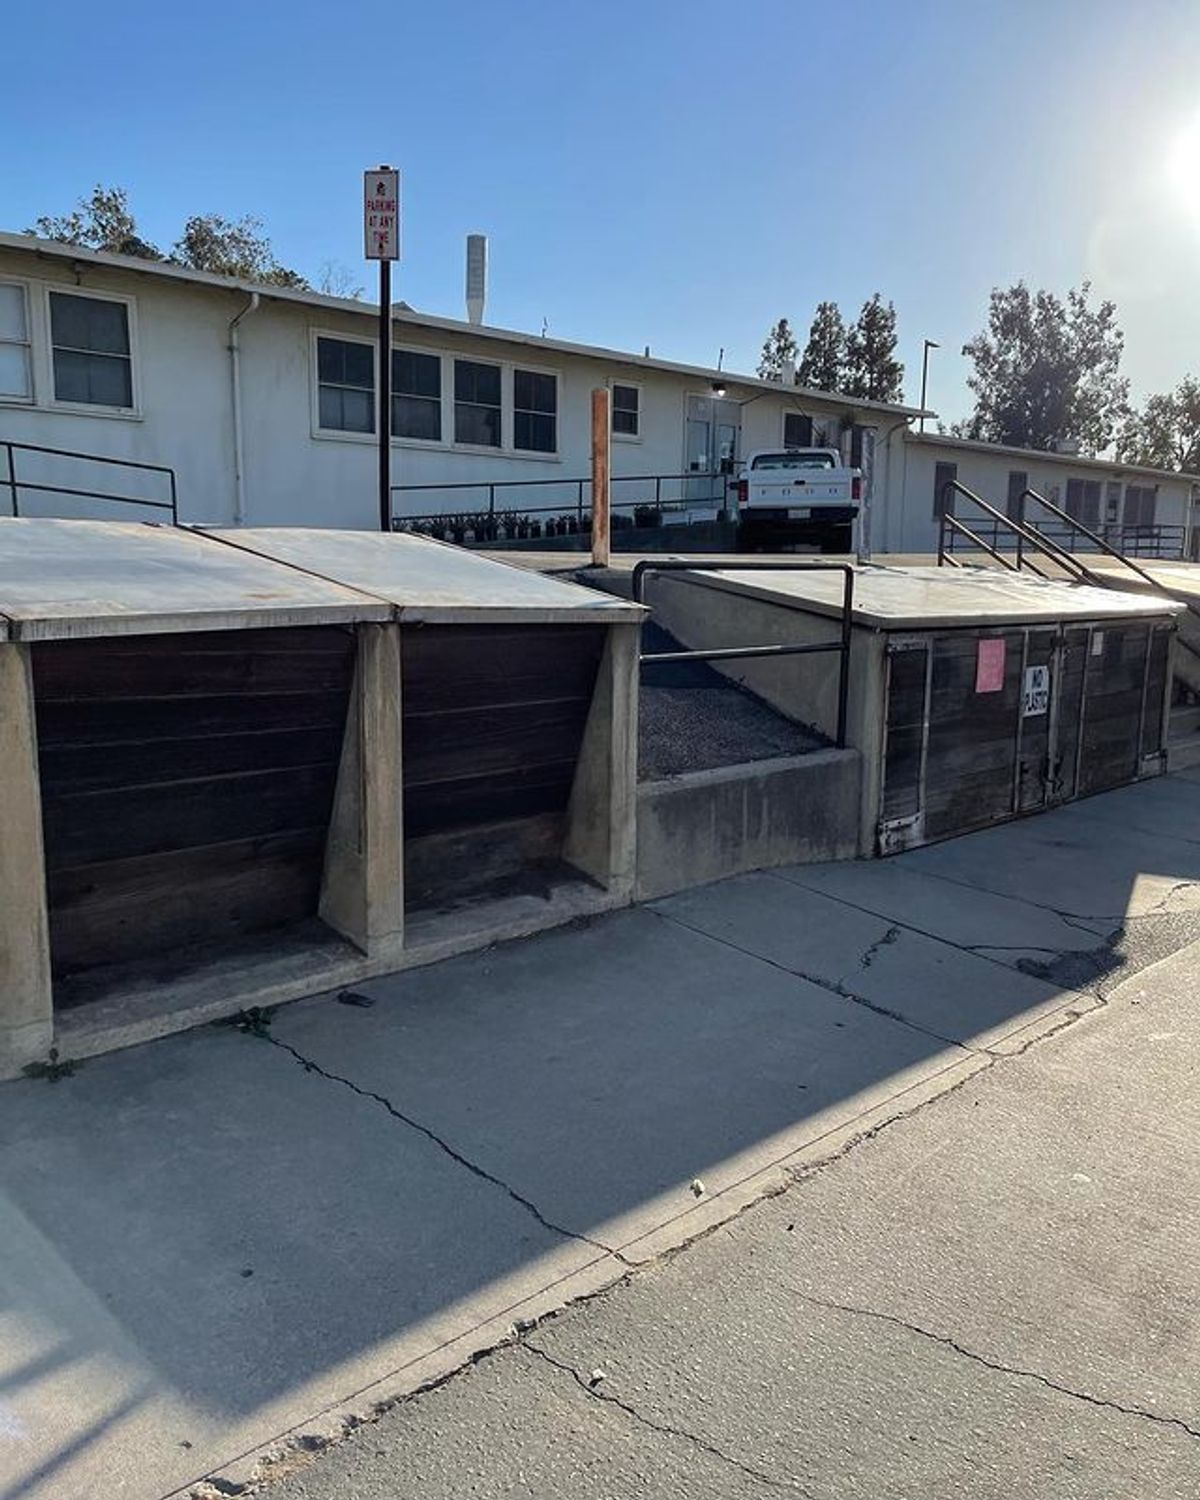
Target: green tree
1046	370
823	367
872	369
228	247
102	221
778	348
1165	434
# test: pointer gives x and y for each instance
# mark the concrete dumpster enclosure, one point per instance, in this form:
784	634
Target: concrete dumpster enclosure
232	778
975	696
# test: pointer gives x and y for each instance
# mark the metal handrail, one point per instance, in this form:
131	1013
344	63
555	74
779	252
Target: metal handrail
730	653
15	484
1078	526
1026	536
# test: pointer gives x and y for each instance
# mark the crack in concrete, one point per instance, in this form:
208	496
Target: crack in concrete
831	986
1017	1371
889	937
474	1168
665	1429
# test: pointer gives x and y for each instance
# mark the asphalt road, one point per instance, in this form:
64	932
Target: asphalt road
995	1296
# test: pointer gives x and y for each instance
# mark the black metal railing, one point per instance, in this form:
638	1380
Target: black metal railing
501	515
1158	540
18	486
733	653
1025	540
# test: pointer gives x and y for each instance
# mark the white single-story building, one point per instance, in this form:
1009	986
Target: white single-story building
260	400
1138	508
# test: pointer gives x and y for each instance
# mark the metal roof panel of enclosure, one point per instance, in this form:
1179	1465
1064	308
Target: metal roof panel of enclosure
427	581
929	598
69	580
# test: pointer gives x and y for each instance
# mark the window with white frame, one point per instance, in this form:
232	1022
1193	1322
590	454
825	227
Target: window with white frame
1140	502
535	411
16	369
627	411
477	403
416	395
345	386
91	352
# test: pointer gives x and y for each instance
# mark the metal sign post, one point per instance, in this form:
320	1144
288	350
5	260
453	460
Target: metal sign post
381	242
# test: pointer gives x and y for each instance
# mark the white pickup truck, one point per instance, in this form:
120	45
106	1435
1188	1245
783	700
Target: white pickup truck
789	495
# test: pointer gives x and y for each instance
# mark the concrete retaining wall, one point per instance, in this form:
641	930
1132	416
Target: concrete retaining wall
705	825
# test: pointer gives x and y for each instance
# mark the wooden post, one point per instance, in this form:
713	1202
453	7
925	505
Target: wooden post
600	479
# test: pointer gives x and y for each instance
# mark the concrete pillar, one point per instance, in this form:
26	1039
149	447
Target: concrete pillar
602	818
26	1011
362	891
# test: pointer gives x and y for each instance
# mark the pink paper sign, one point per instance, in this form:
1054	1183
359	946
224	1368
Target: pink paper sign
989	665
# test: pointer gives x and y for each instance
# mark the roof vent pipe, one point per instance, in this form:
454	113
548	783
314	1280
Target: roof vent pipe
476	276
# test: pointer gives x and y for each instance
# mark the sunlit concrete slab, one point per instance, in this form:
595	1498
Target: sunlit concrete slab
1077	861
428	580
65	580
895	598
946	991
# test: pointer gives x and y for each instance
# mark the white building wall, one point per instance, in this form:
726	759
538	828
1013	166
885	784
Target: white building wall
911	524
295	474
185	414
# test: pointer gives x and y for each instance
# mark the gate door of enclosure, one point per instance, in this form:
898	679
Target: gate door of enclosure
983	727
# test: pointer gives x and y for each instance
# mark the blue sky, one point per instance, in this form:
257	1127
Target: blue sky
678	173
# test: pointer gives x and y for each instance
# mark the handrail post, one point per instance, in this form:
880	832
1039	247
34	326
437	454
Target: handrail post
12	477
174	501
844	655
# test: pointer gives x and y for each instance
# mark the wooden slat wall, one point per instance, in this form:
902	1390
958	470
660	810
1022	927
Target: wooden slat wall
187	782
493	722
1112	708
905	732
969	770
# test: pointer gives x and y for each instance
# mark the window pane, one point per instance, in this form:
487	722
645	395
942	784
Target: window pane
346	410
417	417
625	397
14	371
12	313
416	374
343	363
797	430
534	431
88	323
97	379
625	422
475	382
534	392
477	424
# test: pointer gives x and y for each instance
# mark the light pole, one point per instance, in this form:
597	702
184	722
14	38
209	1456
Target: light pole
929	344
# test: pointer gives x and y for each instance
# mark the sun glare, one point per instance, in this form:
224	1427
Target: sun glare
1183	169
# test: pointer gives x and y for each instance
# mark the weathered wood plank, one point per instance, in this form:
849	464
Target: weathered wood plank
124	909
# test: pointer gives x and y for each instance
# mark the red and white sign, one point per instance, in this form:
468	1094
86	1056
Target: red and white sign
989	664
381	214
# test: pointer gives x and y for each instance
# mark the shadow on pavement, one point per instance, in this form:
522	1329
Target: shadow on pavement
239	1227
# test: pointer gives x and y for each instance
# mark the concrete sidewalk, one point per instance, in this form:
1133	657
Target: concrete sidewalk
221	1242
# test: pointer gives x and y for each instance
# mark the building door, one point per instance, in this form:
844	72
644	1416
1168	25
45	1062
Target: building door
943	499
711	449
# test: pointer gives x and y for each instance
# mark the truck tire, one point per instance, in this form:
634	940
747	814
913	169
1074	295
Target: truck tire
837	539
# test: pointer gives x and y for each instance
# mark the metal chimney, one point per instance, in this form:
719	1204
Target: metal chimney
476	276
